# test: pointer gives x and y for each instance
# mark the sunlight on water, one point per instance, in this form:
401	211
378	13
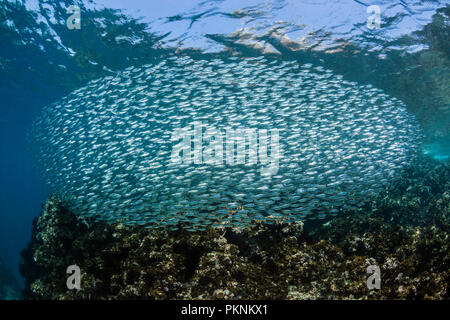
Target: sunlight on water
403	53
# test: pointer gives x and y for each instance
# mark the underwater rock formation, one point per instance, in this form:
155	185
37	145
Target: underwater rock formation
270	140
9	289
408	241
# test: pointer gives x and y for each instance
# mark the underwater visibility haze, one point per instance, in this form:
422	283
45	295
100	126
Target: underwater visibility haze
264	129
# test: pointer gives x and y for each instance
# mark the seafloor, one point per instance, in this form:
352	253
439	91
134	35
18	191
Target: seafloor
404	231
9	288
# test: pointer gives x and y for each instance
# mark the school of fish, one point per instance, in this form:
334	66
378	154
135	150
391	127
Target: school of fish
107	148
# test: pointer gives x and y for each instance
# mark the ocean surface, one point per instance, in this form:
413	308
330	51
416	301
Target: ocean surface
45	55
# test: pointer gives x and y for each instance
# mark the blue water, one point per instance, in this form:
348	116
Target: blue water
41	60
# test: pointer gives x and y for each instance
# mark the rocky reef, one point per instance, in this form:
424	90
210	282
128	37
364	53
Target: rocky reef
405	232
9	289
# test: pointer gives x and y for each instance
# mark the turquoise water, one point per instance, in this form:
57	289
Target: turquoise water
42	60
